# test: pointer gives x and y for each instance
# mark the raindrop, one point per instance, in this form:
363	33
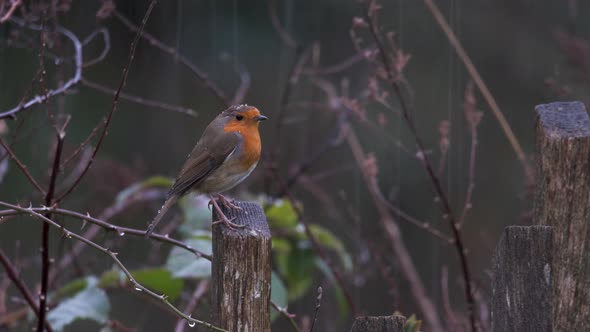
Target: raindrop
121	233
191	324
137	288
68	235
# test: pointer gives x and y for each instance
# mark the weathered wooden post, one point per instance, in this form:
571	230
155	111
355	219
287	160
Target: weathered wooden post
521	287
563	201
379	324
241	271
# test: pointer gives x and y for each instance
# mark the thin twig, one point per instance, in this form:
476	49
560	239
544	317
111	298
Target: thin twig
192	304
473	118
445	205
318	303
62	89
106	37
10	11
339	67
201	75
22	167
113	255
139	100
276	23
286	314
490	100
20	285
107	121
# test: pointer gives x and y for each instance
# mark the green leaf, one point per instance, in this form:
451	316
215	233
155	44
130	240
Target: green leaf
160	280
197	215
184	264
70	289
412	324
278	293
330	241
151	182
281	214
91	303
297	270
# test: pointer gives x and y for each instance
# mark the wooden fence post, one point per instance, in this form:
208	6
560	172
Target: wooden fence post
563	201
379	324
241	271
521	286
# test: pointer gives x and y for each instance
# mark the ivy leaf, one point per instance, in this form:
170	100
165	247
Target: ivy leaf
151	182
330	241
296	267
281	214
412	324
91	304
278	293
197	215
160	280
184	264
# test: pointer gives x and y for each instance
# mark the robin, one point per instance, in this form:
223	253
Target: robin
227	152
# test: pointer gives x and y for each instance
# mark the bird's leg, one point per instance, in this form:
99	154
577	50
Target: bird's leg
228	203
223	218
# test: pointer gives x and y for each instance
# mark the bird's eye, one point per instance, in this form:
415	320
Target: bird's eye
239	117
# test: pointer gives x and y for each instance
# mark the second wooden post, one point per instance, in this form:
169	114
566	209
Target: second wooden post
563	201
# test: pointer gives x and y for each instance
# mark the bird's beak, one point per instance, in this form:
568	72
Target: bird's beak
261	118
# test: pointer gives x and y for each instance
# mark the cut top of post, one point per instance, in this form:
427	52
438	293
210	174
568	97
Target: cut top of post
250	215
564	119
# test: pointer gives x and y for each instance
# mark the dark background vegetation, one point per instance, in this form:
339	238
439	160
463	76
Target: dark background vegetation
528	52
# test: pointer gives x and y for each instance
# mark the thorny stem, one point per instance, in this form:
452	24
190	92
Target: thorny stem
110	227
445	206
113	255
107	121
45	234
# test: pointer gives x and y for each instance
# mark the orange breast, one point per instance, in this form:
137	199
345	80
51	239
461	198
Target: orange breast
250	153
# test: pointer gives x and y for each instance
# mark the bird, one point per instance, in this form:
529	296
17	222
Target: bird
226	153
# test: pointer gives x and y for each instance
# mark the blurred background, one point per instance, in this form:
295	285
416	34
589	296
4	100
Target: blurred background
297	62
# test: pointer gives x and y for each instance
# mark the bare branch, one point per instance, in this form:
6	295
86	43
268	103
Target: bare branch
22	167
139	100
181	58
107	120
62	89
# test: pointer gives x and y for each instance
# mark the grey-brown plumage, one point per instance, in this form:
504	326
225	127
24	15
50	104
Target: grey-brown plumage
220	159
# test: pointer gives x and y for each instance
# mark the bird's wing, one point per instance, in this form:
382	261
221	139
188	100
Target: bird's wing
206	157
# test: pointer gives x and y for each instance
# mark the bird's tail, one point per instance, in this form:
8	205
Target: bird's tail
167	204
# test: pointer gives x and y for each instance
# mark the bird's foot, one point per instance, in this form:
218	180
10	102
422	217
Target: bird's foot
223	219
228	203
228	222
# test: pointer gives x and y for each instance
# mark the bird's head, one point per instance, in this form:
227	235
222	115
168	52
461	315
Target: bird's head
242	118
